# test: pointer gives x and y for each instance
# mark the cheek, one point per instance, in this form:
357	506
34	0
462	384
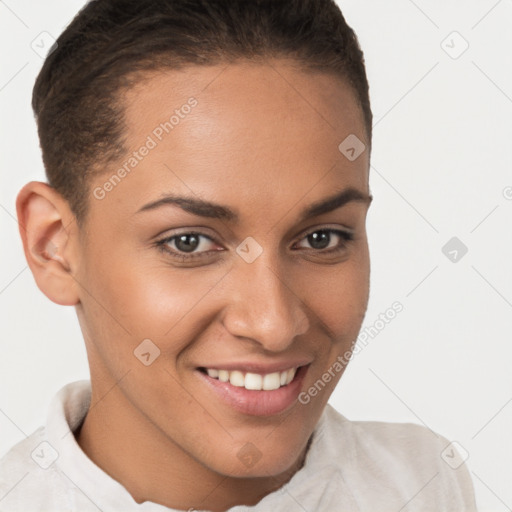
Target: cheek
338	295
163	301
150	299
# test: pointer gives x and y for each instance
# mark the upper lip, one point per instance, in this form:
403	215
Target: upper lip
254	367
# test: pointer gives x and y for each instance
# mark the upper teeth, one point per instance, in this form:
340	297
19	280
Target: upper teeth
254	381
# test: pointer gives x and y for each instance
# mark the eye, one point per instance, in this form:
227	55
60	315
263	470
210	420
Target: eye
328	240
186	245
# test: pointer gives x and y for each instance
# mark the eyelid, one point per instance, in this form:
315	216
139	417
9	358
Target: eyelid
172	232
326	227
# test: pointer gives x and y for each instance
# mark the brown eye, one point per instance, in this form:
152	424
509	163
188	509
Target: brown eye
186	245
321	239
187	242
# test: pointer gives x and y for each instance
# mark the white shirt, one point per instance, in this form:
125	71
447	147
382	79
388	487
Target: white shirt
350	466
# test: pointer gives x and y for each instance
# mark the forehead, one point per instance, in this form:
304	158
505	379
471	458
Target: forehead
257	131
245	92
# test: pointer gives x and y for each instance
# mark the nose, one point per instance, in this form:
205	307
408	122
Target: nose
264	307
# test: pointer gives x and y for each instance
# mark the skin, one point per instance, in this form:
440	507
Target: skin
263	139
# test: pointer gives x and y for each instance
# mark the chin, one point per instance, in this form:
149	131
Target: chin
249	461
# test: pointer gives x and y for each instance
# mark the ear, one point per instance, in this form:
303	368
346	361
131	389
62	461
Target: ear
49	233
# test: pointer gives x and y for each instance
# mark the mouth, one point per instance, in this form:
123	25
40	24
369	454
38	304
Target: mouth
253	381
252	392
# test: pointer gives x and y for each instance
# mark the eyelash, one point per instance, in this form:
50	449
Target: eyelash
162	244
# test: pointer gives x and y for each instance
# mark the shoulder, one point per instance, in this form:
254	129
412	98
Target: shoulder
26	471
31	472
401	460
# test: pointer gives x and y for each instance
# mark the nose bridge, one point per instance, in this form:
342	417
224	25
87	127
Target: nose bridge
264	307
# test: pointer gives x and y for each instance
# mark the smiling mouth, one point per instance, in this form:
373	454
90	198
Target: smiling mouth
252	392
252	381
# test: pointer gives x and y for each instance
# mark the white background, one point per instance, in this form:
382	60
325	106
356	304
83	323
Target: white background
442	162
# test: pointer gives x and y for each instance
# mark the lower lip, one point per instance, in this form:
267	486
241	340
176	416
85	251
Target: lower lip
257	403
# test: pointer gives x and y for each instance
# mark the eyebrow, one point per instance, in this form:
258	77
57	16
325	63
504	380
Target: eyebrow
203	208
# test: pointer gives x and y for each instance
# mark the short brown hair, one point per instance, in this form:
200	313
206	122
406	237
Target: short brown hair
76	94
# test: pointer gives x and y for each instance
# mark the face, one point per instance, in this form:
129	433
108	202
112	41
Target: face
219	291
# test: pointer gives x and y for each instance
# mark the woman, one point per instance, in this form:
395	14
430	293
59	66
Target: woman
205	211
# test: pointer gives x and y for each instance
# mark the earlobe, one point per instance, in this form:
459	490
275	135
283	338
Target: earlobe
48	232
